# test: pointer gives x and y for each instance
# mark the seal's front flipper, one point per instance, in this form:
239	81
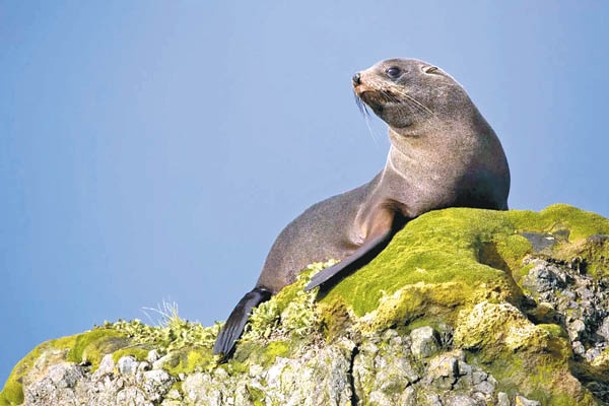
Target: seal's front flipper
225	343
360	257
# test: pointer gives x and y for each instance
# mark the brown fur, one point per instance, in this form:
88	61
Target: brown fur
447	155
443	154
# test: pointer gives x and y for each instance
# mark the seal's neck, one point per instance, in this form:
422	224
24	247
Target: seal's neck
425	149
424	169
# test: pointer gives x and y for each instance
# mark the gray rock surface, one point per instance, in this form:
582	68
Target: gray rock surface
580	302
384	369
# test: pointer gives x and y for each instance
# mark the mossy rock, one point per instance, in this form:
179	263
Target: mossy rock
469	255
88	347
457	267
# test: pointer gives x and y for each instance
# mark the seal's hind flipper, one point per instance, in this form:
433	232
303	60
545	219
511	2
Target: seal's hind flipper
225	343
360	257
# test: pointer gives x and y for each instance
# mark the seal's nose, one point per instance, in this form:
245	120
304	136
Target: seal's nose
356	79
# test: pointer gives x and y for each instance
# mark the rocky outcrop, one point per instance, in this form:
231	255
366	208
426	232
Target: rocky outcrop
464	307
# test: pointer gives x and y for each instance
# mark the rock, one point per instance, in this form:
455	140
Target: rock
153	356
503	399
64	375
424	343
603	329
443	371
463	307
106	367
462	400
127	366
522	401
156	384
132	396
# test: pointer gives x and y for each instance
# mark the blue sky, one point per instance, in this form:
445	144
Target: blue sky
153	150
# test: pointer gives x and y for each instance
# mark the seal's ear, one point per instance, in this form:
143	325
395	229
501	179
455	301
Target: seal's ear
430	69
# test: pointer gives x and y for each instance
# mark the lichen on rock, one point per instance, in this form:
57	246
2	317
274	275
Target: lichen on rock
464	307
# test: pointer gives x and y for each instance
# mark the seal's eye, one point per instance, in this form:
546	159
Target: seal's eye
393	72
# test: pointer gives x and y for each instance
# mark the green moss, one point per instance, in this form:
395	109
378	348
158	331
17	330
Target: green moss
261	353
257	395
264	320
592	254
465	253
273	350
537	376
122	338
512	248
601	363
433	267
291	313
90	347
12	394
174	335
579	223
188	360
427	251
86	347
139	352
554	330
497	328
530	359
517	375
335	318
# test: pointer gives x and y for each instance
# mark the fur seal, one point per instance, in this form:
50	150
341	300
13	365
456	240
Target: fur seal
443	154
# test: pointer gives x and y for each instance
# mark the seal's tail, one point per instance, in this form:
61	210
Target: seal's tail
225	343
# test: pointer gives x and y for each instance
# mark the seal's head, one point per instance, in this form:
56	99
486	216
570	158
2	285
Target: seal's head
409	94
441	146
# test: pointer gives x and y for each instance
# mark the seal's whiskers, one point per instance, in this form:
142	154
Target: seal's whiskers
366	113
